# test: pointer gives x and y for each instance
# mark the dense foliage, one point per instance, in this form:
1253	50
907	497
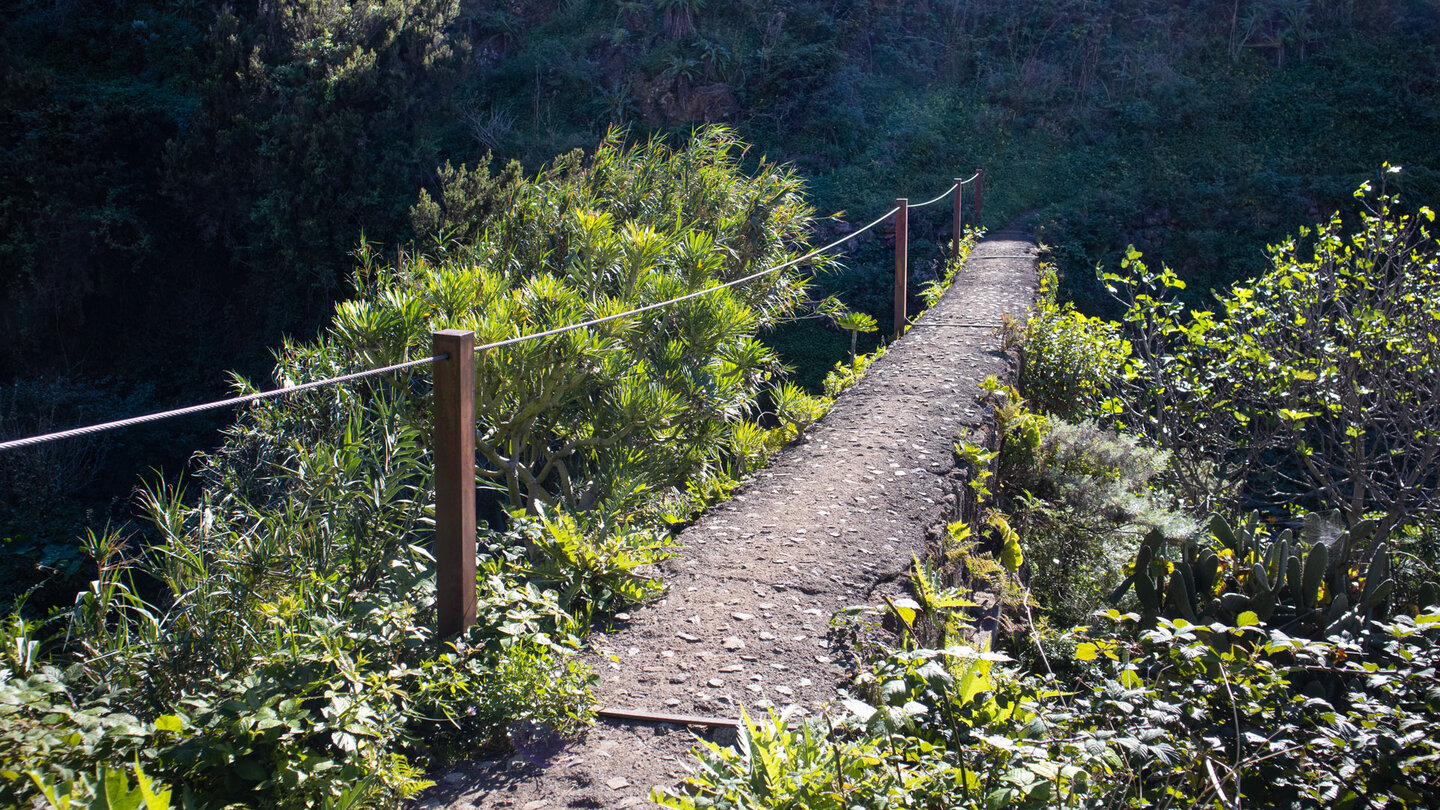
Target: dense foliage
1151	658
604	416
1320	373
271	642
184	180
265	640
175	155
1176	715
182	184
199	159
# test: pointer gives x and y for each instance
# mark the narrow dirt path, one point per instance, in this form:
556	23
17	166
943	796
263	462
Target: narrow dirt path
833	521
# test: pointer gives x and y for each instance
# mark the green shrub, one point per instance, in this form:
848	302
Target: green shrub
932	291
598	418
592	567
1316	382
53	736
845	374
1416	564
1083	514
274	639
1176	712
1080	498
1070	363
109	788
1221	711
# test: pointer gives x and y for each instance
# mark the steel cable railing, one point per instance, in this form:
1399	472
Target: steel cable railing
946	192
453	355
279	392
210	406
952	187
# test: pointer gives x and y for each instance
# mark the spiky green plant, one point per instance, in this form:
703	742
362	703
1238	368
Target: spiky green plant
635	405
1302	584
276	641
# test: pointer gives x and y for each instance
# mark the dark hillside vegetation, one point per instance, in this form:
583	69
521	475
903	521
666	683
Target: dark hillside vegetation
189	188
1200	128
191	169
184	181
219	162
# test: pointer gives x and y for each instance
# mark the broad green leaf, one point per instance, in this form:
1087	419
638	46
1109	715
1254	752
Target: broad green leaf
169	722
907	609
862	710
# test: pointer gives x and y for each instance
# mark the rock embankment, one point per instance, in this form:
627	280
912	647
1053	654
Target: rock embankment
834	520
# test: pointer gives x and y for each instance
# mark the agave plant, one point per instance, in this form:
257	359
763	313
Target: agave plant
1303	583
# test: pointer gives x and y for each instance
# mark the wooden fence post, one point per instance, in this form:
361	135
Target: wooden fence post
454	444
979	188
957	223
902	260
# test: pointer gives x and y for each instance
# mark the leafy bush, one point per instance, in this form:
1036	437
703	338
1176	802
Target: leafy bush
845	374
53	738
591	567
1176	712
1081	505
1335	352
1249	734
1077	498
599	418
1069	363
109	788
1317	381
294	662
289	659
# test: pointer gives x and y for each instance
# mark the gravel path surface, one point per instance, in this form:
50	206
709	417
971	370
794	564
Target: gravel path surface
833	521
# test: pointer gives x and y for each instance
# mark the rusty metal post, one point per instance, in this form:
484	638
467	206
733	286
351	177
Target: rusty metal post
902	262
956	223
979	188
454	444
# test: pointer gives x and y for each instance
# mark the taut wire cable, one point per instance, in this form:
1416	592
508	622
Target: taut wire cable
616	316
937	199
294	389
210	406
